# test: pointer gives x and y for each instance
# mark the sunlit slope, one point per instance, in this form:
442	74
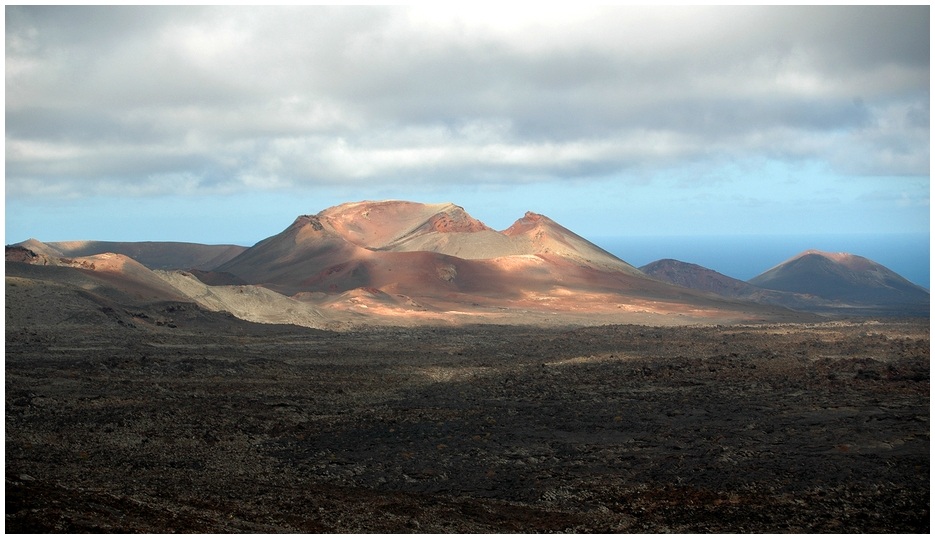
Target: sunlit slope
439	257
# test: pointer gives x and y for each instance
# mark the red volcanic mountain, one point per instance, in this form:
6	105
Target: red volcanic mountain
436	256
363	263
447	229
416	249
842	277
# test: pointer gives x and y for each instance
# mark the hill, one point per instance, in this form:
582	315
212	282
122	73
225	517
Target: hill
164	255
440	258
846	278
403	263
700	278
390	262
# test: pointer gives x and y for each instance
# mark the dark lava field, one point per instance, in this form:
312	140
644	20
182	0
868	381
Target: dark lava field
762	428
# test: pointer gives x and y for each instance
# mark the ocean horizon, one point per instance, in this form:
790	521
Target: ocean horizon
744	256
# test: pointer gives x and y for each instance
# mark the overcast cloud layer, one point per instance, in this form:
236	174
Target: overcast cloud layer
156	100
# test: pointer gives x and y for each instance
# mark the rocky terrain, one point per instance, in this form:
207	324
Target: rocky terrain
402	367
206	423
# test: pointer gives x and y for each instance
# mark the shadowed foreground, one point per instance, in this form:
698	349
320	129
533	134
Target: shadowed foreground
773	428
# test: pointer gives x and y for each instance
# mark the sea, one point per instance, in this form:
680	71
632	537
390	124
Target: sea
744	256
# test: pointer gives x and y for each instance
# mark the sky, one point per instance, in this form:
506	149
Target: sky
222	124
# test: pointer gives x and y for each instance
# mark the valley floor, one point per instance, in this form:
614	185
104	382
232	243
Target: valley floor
759	428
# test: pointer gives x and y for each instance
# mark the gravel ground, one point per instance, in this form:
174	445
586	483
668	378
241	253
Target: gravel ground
248	428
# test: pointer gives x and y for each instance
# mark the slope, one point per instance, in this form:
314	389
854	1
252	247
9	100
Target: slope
283	261
537	234
152	254
843	277
700	278
401	252
112	288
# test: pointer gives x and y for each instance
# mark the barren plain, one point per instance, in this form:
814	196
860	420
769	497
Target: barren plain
206	423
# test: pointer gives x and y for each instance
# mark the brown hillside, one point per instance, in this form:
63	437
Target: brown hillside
440	258
152	254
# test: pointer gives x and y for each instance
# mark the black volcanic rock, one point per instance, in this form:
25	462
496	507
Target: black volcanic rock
16	253
842	277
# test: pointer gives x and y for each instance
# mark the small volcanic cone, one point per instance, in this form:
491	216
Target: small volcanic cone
842	277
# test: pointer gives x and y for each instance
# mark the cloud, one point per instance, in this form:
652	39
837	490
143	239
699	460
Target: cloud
167	99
